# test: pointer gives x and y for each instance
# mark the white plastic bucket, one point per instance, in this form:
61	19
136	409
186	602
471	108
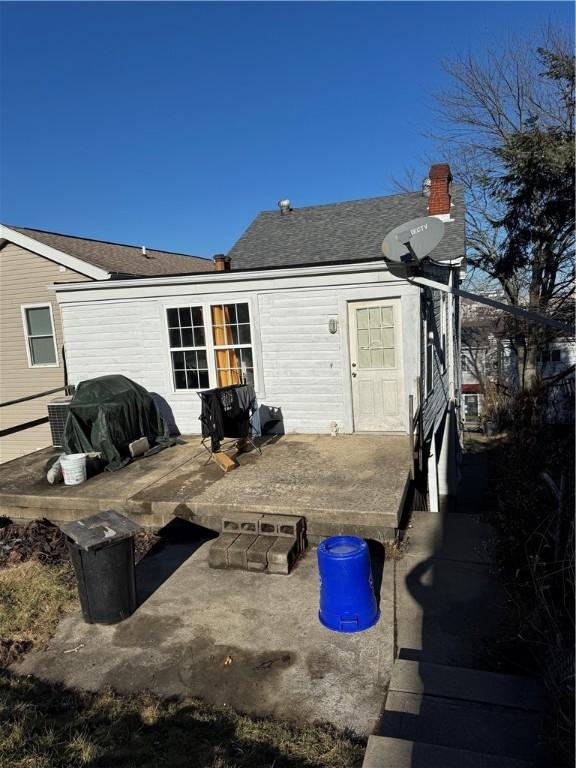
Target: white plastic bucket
74	468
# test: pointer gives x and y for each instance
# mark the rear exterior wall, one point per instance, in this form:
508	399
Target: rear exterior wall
299	365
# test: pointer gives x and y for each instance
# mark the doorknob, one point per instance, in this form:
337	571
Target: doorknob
354	374
353	365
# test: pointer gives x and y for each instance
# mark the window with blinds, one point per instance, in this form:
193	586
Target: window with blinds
210	346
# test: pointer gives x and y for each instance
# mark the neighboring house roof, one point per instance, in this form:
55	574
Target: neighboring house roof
116	258
348	231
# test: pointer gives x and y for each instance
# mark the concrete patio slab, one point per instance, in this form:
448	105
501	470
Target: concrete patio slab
249	641
352	484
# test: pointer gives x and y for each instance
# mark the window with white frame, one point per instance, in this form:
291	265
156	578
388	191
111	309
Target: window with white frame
188	348
232	344
210	346
471	407
39	331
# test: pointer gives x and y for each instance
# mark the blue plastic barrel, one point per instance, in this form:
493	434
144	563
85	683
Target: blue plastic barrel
347	600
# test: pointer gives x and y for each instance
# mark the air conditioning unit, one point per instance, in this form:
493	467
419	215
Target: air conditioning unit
57	415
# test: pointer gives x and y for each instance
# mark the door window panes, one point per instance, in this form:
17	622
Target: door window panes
375	337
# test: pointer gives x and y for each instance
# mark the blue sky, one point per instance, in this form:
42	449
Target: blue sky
172	124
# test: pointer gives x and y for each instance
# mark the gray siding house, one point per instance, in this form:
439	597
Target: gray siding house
306	308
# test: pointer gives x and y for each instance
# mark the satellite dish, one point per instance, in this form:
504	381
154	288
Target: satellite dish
413	241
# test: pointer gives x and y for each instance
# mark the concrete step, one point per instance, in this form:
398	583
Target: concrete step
445	722
467	685
447	611
385	752
449	536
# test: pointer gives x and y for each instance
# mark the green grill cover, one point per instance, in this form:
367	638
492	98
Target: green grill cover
107	414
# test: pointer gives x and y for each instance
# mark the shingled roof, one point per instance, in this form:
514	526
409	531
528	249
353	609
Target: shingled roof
119	259
340	232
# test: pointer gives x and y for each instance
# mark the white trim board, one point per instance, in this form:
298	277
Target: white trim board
52	254
110	291
216	278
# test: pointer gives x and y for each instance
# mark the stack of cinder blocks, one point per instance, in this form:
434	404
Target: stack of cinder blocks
254	542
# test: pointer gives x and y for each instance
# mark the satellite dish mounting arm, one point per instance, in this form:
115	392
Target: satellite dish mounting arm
525	314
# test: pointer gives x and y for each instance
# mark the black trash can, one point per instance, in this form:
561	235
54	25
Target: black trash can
102	551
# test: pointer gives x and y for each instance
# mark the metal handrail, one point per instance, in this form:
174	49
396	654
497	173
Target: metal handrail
22	427
36	422
34	397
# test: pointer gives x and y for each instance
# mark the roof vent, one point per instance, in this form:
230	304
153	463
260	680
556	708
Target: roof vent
426	186
145	252
284	206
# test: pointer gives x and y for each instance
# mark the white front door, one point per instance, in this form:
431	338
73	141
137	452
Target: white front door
376	365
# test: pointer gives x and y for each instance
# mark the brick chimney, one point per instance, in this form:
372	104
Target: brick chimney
222	262
440	178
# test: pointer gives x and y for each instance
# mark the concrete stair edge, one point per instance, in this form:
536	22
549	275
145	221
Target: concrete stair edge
388	752
455	682
458	724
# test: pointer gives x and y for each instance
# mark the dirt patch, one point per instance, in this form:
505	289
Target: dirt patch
39	540
44	542
12	650
143	543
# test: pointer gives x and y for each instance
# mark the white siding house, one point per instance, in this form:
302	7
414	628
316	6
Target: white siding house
308	311
299	365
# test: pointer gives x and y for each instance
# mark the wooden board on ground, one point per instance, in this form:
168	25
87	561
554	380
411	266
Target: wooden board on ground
224	461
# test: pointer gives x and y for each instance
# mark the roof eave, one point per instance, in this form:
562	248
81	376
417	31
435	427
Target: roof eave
53	254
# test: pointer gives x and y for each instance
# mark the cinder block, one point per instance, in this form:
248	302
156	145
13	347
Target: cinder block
267	525
237	550
282	525
282	555
218	554
241	522
259	550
